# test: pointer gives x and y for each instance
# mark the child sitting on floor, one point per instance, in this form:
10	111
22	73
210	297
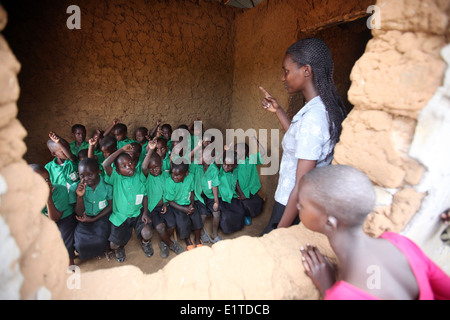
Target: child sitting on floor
92	198
179	194
207	192
59	210
248	179
62	169
335	200
232	211
130	207
162	217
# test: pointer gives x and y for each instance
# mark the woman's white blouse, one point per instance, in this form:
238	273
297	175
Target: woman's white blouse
308	138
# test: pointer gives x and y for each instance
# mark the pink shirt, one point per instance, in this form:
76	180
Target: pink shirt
433	282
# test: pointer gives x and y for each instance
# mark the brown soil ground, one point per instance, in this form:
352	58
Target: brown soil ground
135	256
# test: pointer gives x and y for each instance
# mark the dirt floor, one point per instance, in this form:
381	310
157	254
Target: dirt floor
135	256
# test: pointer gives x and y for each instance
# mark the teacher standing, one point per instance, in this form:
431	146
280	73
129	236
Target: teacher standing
313	132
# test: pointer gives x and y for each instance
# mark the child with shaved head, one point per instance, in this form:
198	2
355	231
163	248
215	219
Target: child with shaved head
335	200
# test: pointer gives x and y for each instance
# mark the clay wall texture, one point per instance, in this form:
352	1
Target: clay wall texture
135	60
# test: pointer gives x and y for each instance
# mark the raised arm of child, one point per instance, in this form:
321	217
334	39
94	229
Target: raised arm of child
193	151
79	205
155	128
108	131
109	161
151	146
262	151
92	143
64	146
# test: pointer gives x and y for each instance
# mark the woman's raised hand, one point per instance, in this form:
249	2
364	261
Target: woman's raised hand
269	103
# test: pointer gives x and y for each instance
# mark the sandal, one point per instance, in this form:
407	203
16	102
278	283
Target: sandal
175	247
120	254
190	246
148	248
200	244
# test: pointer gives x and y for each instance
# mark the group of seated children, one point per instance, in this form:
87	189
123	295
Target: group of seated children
103	189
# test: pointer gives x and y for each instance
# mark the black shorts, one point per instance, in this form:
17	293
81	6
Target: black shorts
187	223
231	215
205	209
253	205
122	234
168	218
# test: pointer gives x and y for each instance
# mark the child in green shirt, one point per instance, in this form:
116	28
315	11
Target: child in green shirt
107	146
130	207
62	169
141	136
232	211
207	193
120	131
79	136
162	151
59	210
92	198
162	217
248	179
180	196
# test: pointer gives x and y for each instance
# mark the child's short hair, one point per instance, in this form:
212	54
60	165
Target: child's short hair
166	126
83	154
108	141
342	191
142	129
137	147
156	158
78	126
183	167
89	162
162	140
121	126
120	156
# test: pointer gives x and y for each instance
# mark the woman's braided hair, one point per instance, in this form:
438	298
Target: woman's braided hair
315	52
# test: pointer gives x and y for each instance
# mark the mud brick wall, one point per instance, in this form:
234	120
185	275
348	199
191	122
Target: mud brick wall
136	60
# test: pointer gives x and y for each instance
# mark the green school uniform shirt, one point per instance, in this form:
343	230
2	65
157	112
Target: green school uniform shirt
208	179
128	193
179	192
94	200
155	187
248	174
227	181
75	149
61	200
143	152
125	141
166	163
197	171
65	174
